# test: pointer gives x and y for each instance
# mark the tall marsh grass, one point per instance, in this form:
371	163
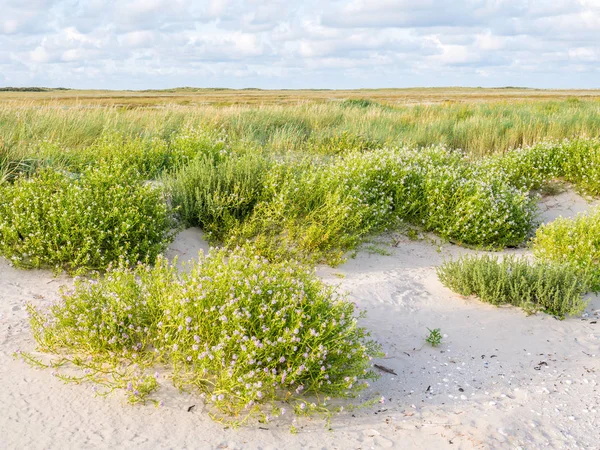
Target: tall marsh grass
479	129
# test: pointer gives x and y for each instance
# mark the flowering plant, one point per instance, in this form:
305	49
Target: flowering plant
243	332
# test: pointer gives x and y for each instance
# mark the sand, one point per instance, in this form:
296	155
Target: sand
500	379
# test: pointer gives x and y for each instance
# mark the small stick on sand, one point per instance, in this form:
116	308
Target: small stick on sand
384	369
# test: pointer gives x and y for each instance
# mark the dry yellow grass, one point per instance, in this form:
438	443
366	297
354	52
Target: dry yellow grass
193	96
480	121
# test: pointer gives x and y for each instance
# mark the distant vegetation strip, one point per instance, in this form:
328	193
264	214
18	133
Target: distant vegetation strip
325	128
30	89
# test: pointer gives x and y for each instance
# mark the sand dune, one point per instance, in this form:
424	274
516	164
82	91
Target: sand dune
500	379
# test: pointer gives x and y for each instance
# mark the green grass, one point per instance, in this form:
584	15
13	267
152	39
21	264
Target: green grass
149	156
251	337
552	288
477	128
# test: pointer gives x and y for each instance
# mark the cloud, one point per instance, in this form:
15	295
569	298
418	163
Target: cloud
308	43
402	13
39	55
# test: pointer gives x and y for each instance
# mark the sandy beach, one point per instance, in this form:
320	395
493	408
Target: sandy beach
500	379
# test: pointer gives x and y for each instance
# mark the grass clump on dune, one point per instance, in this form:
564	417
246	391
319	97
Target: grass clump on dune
87	221
573	242
552	288
252	337
217	192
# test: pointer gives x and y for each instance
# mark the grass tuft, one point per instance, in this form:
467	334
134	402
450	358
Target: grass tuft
552	288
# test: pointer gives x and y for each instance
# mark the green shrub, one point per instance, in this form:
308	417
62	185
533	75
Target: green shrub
476	208
576	161
243	332
574	242
316	209
552	288
89	221
218	193
527	168
325	207
582	164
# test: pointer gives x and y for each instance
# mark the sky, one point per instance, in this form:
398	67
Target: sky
275	44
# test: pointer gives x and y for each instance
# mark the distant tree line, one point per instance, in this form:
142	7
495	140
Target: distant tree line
31	89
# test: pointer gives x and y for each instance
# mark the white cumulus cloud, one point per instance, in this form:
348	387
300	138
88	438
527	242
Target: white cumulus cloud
307	43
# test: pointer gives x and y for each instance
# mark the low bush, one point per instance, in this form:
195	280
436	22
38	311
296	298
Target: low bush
528	168
217	192
309	210
253	337
325	207
576	161
552	288
574	242
582	167
88	221
476	208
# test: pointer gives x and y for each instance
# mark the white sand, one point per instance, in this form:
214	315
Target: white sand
480	389
565	204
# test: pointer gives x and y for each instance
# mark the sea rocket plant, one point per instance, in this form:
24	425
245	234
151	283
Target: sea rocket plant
237	328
